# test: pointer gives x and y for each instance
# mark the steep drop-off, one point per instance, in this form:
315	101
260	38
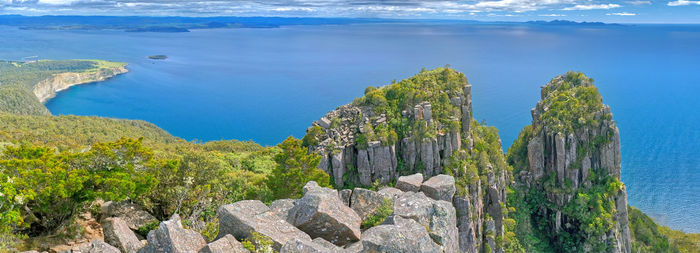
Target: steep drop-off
567	166
422	124
48	88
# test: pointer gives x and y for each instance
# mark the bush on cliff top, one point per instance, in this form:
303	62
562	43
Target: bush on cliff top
571	103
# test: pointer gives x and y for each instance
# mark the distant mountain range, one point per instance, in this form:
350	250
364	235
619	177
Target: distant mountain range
184	24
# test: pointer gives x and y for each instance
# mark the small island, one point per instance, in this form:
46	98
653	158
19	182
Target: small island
158	57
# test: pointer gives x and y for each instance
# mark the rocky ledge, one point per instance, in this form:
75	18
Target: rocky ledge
48	88
323	220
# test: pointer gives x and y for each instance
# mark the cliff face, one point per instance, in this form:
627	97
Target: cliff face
573	155
48	88
420	125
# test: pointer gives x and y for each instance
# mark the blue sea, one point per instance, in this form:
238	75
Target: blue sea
266	84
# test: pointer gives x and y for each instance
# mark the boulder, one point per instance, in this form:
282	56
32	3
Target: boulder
328	245
354	247
171	237
440	187
390	192
345	196
321	213
281	207
299	246
404	235
226	244
438	216
132	214
410	183
95	246
365	202
242	218
117	233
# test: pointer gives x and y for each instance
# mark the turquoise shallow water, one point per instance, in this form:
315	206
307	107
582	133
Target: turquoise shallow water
266	84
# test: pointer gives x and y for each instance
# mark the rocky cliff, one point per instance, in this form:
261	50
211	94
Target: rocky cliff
47	89
420	125
573	157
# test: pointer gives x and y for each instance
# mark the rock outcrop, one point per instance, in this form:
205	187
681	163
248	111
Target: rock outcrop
402	235
48	88
242	218
348	144
570	151
117	233
171	237
438	216
411	183
226	244
321	213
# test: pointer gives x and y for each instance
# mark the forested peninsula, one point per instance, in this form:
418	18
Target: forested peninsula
403	168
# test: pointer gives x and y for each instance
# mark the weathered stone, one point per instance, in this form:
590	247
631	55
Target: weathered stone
226	244
390	192
281	207
438	216
117	233
328	245
242	218
354	247
363	167
410	183
365	202
96	246
338	166
465	225
405	235
440	187
171	237
345	195
426	156
320	213
132	214
300	246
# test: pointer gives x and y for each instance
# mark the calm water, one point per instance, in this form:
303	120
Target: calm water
267	84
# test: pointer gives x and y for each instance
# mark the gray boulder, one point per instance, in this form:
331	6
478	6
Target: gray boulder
172	238
95	246
132	214
321	213
390	192
365	202
242	218
117	233
440	187
438	216
410	183
281	207
328	245
226	244
404	235
299	246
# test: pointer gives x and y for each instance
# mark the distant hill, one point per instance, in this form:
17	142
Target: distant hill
569	23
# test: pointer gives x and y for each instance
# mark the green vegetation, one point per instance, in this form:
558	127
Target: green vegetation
572	103
429	85
379	215
295	167
647	236
259	243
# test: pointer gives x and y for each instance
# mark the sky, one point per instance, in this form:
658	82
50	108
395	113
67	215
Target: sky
625	11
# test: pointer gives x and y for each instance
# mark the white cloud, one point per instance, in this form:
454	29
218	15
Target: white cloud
585	7
621	14
56	2
638	2
552	15
683	2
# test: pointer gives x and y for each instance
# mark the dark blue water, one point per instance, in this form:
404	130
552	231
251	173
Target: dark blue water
267	84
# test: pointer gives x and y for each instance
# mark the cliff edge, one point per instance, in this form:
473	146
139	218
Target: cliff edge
47	89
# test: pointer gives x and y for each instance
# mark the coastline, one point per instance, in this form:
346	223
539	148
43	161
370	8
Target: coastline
48	88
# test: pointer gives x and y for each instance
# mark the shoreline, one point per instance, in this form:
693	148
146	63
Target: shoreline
50	87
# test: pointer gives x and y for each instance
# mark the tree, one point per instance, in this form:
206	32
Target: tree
295	167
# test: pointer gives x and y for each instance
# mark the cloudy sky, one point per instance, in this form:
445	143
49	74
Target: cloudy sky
630	11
